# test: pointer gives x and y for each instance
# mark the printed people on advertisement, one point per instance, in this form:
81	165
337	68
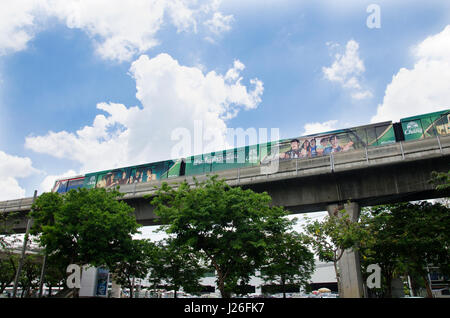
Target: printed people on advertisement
335	144
101	183
119	178
310	149
138	176
123	178
149	176
334	141
294	152
324	148
313	148
109	179
305	152
142	175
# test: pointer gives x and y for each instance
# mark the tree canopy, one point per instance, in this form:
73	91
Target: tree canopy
85	227
230	227
407	237
289	261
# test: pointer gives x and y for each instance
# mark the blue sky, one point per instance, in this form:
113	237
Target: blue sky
302	66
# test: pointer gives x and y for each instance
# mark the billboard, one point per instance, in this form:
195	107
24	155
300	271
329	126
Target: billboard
101	288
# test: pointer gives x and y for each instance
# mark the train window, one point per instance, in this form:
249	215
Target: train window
442	125
60	186
75	184
371	136
359	138
385	134
428	126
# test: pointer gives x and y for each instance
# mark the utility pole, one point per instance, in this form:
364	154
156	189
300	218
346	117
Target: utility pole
41	281
24	248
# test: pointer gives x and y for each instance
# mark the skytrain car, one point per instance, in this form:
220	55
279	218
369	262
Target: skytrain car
310	146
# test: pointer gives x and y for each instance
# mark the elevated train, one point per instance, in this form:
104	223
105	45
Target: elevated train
322	144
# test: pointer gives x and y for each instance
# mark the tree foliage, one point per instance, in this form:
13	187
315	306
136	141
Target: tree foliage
176	266
407	237
441	180
85	226
230	227
289	261
135	263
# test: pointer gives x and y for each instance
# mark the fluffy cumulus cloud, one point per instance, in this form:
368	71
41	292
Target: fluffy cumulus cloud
119	29
423	88
176	100
12	168
347	70
17	24
313	128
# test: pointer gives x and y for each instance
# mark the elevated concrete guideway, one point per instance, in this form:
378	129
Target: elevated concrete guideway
371	176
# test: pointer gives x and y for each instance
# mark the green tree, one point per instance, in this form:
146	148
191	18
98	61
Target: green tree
55	273
289	261
135	263
85	226
7	271
8	257
408	237
230	227
379	246
441	180
29	276
178	266
330	237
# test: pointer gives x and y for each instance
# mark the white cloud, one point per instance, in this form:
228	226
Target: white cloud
11	168
172	96
119	29
425	87
17	24
361	95
347	70
313	128
219	23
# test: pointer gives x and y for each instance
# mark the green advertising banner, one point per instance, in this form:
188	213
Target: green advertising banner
428	125
301	147
130	175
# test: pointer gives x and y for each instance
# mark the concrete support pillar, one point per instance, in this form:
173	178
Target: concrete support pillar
351	283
